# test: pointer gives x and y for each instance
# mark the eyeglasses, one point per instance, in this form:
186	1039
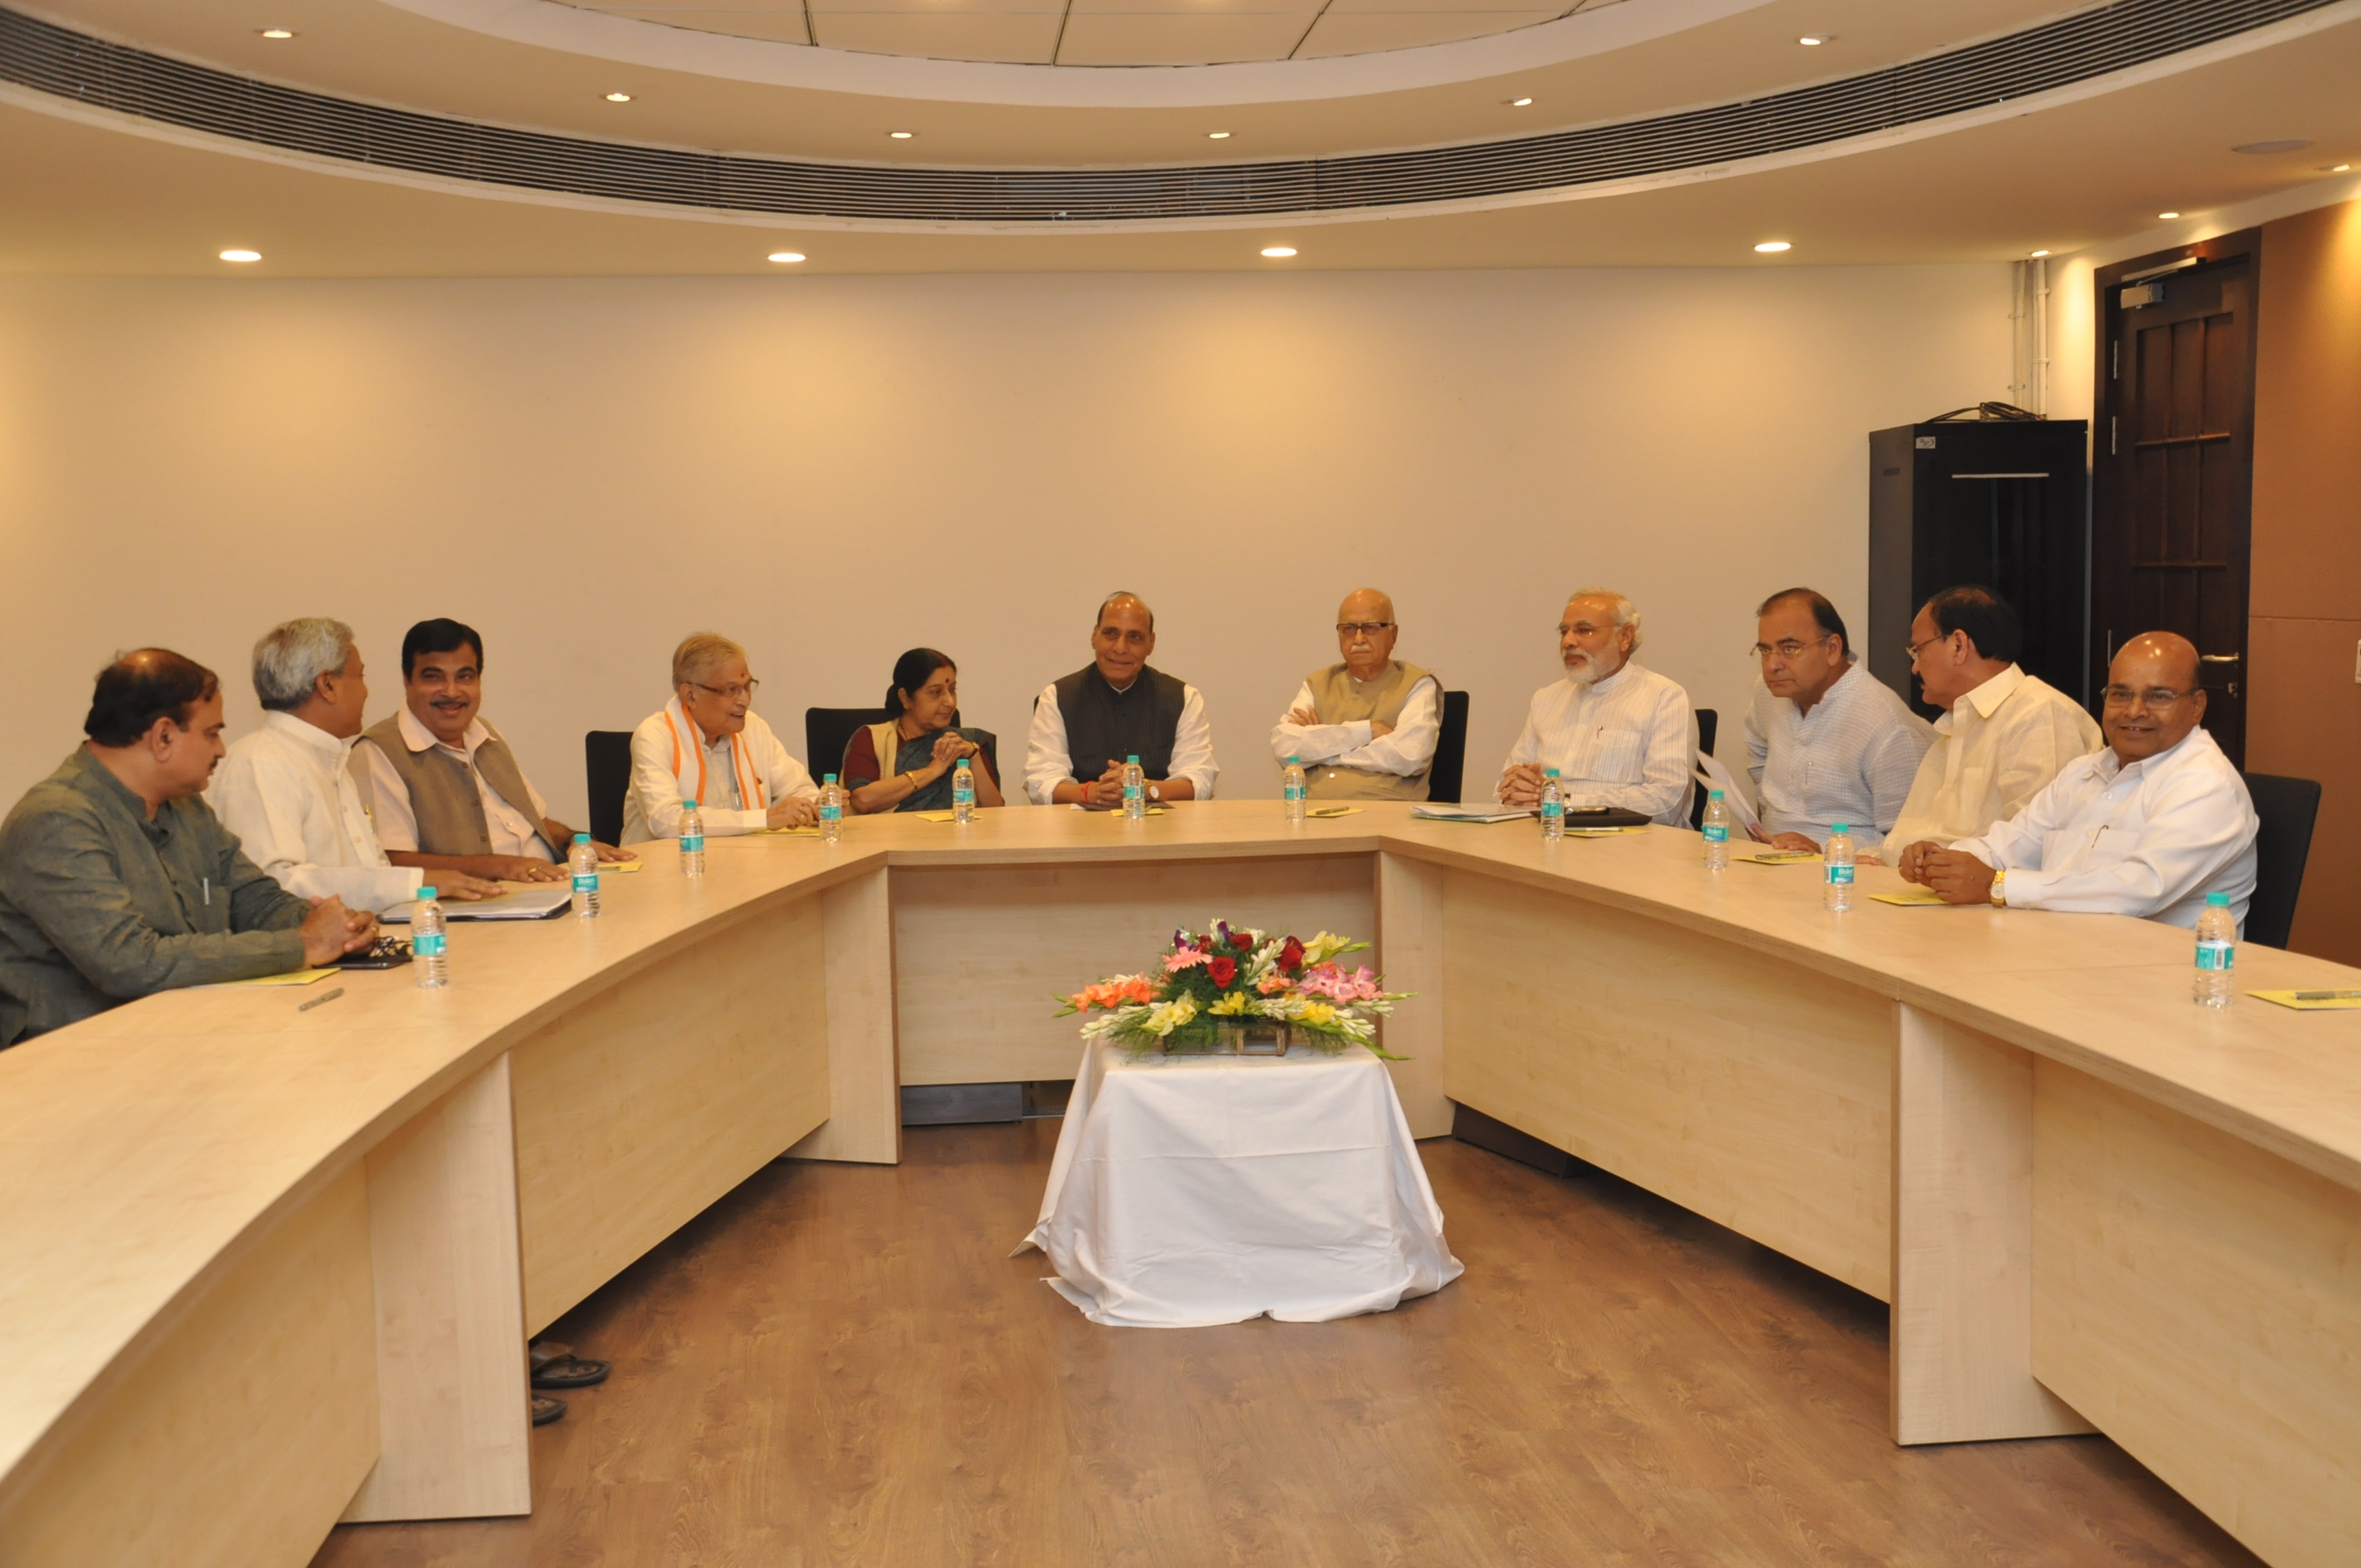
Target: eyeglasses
1791	648
2154	696
1348	628
731	692
1940	636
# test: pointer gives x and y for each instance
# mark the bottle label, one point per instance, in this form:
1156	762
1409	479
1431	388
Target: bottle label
1554	809
2216	955
1131	794
1292	792
426	945
585	882
692	843
1840	875
1717	832
832	814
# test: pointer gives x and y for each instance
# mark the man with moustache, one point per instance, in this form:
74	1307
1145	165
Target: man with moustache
1618	734
1825	740
117	880
1087	723
1365	729
444	788
2147	828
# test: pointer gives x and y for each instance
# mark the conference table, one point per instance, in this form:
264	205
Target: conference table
264	1268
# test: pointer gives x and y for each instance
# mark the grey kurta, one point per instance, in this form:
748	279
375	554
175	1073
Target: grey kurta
99	906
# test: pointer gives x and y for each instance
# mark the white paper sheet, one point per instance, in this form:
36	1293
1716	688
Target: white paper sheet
1715	776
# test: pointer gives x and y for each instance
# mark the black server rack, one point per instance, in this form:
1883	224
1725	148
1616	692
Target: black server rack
2001	502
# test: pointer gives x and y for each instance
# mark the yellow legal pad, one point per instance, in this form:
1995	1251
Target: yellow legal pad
298	977
786	833
1332	811
1776	857
607	867
2310	1001
1916	898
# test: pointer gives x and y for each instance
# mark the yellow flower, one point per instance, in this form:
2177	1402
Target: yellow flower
1231	1004
1318	1012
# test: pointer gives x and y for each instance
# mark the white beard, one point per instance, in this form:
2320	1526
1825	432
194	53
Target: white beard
1582	674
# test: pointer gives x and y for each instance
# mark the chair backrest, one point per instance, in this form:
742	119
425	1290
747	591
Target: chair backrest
1443	780
606	768
1709	724
827	733
2287	807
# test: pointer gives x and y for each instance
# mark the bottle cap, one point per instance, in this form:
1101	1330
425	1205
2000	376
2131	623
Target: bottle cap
582	837
962	762
1294	762
1131	760
2217	901
425	893
1713	795
1551	772
1840	826
827	778
688	805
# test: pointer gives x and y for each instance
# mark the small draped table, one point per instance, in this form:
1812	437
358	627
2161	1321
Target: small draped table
1198	1189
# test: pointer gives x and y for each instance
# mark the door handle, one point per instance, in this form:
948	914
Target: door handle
2219	658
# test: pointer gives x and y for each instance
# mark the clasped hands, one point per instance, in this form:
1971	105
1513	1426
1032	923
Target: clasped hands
331	930
1958	876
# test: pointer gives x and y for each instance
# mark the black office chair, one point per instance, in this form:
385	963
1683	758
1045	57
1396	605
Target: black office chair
828	730
1443	780
2288	809
1708	725
607	765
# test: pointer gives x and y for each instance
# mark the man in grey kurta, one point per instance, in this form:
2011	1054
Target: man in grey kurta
113	889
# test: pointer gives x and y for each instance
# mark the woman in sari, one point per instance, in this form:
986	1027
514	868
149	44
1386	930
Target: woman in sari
920	743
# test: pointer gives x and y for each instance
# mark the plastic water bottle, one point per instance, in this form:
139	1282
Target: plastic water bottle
962	793
583	861
1553	807
1291	791
831	810
428	954
1717	832
692	840
1134	790
2217	949
1837	857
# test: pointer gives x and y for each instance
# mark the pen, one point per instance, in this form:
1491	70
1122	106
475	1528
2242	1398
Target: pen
326	996
2327	995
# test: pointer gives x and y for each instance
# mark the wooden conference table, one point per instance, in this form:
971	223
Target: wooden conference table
263	1269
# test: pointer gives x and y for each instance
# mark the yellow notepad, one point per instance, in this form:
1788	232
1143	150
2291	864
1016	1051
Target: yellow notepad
1776	857
2312	1001
1916	898
1603	832
605	867
295	977
784	833
1331	810
935	816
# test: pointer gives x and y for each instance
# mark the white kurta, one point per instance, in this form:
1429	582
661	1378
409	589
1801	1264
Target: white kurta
1996	748
285	791
1852	758
1628	740
1194	1191
742	777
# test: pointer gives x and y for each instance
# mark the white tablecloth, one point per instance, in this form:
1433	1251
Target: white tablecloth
1190	1190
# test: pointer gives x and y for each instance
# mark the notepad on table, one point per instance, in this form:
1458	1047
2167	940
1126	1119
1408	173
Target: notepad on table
1331	810
541	901
626	866
784	833
1775	857
2310	1001
1450	811
292	977
1916	898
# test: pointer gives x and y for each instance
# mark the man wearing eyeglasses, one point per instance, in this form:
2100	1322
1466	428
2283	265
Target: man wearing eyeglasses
1365	729
2147	828
708	745
1826	741
1618	734
2004	734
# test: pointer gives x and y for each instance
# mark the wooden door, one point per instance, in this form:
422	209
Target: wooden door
2173	466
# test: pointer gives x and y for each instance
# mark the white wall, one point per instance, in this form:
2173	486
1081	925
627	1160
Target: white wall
834	469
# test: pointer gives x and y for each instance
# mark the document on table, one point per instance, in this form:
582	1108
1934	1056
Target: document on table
292	977
1775	857
1916	898
1713	775
626	867
1450	811
2310	1001
539	902
784	833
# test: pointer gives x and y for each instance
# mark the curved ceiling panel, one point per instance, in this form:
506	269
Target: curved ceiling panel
2076	49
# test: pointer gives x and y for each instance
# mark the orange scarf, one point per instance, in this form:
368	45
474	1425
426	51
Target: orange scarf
750	780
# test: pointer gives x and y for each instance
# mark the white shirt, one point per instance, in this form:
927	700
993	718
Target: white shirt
284	791
652	809
2149	838
1851	759
1993	752
1626	740
1404	753
512	831
1048	763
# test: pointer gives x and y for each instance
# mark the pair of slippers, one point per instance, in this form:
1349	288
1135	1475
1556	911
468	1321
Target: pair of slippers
555	1366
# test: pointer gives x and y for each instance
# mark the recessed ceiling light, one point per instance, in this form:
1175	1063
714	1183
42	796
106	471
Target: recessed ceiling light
1519	103
1771	246
2284	144
274	32
2168	215
1217	135
1814	40
2040	253
1278	252
618	98
901	136
783	257
2339	168
241	256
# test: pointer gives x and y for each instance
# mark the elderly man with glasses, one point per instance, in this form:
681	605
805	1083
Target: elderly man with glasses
2148	827
1365	729
1619	735
1826	741
708	745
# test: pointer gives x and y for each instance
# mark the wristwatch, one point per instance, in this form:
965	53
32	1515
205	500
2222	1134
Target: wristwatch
1156	792
2000	889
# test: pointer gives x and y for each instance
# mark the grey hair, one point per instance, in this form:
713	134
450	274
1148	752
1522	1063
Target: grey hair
290	659
695	658
1626	612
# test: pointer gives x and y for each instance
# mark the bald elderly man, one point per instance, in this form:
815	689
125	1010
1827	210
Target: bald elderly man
2148	827
1365	729
1619	735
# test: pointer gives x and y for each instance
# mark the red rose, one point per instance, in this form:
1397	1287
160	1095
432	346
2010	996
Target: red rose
1223	970
1241	941
1290	957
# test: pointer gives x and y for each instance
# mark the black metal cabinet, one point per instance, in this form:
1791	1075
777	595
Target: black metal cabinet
2003	503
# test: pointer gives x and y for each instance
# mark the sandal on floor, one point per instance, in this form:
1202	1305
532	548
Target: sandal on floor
570	1372
546	1410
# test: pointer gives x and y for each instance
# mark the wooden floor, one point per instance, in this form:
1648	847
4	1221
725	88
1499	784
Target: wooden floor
839	1365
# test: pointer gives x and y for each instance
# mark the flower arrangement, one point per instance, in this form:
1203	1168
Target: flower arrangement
1211	987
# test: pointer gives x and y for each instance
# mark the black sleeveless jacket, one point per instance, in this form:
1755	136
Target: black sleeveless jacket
1102	723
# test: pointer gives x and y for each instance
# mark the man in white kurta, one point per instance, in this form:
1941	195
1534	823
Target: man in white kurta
2147	828
2005	734
708	745
1825	740
1618	734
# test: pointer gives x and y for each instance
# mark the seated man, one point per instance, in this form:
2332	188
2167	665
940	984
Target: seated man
286	790
1617	733
118	882
2004	734
709	746
1825	740
2148	827
1365	729
441	783
1115	707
